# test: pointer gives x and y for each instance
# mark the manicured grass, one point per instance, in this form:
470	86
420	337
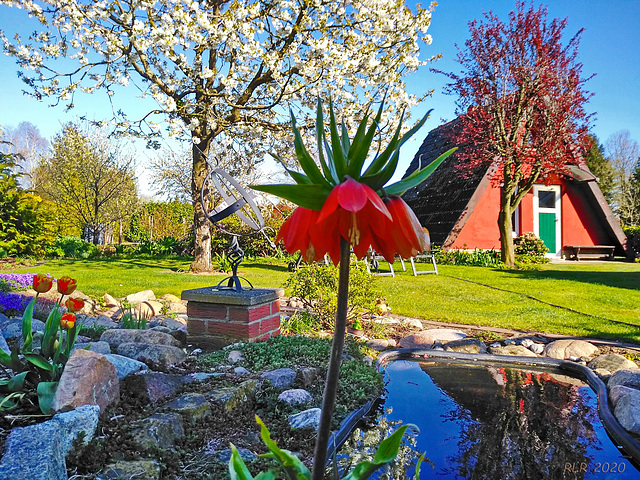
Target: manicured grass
603	293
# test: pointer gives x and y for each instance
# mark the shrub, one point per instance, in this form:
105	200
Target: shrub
72	247
317	286
476	258
530	245
161	220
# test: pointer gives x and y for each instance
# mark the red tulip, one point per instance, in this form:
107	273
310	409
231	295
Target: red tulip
406	236
42	283
357	213
66	285
74	304
68	320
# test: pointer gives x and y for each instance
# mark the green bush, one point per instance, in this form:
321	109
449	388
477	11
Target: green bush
72	247
530	245
316	285
476	258
159	220
633	241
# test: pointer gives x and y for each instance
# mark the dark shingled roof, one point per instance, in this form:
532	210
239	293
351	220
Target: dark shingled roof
443	200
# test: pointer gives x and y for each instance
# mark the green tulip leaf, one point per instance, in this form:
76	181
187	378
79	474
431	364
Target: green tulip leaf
417	177
237	468
16	383
388	448
39	361
10	402
46	392
307	196
27	319
292	465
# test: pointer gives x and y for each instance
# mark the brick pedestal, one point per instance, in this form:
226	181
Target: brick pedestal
221	317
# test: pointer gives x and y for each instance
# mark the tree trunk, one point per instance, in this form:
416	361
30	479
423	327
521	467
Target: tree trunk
201	226
505	226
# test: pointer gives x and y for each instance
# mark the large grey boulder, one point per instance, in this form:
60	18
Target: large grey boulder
617	392
296	396
155	356
88	379
563	349
308	418
155	386
116	337
160	430
280	378
627	411
611	362
427	338
194	407
233	397
628	378
38	452
126	366
98	347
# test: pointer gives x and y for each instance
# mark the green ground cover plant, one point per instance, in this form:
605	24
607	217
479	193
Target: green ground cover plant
604	295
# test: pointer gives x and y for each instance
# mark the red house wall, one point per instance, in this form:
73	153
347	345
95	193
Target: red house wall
579	224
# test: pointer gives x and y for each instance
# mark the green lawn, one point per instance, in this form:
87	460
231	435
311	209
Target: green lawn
602	293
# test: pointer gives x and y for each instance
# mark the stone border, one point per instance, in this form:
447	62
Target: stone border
611	424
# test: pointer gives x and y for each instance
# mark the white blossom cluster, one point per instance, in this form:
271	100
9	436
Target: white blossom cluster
226	68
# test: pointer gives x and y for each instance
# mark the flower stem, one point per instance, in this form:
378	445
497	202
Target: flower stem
331	385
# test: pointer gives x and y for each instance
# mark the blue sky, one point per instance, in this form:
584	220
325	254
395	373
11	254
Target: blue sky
609	49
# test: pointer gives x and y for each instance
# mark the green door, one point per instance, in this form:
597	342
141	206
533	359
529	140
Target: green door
547	227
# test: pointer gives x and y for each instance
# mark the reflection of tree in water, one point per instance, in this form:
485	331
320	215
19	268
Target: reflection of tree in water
362	444
516	424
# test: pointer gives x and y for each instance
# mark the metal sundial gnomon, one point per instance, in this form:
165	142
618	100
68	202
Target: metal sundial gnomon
235	199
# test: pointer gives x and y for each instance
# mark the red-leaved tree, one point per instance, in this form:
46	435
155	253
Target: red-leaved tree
521	101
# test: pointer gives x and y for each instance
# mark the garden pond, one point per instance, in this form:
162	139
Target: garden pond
490	421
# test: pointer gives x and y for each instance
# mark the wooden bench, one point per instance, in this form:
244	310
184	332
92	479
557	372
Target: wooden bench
576	252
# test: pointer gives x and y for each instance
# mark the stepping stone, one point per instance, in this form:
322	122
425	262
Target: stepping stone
563	349
427	338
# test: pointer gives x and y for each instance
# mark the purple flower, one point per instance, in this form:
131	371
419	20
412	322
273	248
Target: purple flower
18	281
13	304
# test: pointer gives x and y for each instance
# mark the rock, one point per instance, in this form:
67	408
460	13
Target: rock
391	342
38	452
526	342
225	455
627	411
603	374
158	328
109	301
116	337
465	345
378	344
88	379
308	418
154	386
240	371
160	430
126	366
192	406
171	323
202	376
3	344
169	297
427	338
412	323
280	378
563	349
140	297
235	356
617	392
98	347
147	469
232	397
296	396
387	321
516	350
149	308
156	356
612	362
307	375
628	378
14	329
537	348
368	360
175	307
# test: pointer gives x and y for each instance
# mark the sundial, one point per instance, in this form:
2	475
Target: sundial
234	199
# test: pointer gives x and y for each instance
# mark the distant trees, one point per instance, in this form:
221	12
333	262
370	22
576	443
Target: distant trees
624	155
521	101
600	166
27	146
90	177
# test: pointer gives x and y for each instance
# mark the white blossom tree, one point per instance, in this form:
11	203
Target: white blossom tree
225	71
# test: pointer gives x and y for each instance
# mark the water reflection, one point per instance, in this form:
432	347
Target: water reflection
479	422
